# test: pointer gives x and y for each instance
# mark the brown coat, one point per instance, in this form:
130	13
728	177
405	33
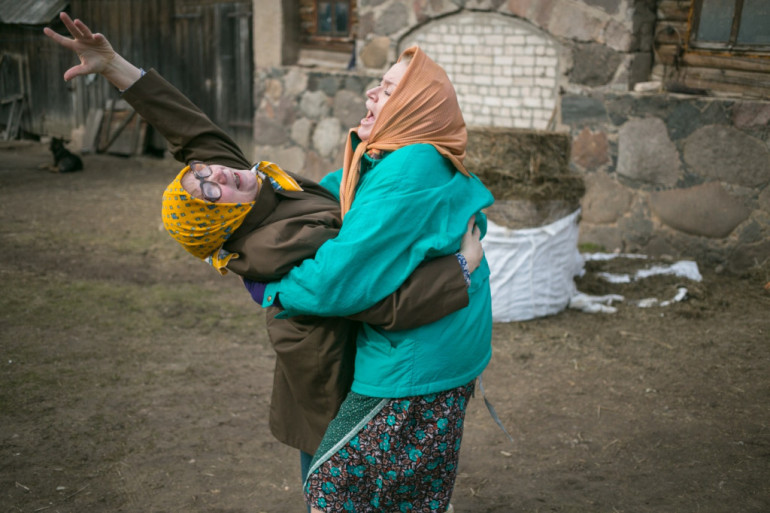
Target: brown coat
314	364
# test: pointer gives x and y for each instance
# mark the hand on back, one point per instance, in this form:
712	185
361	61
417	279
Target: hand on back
470	247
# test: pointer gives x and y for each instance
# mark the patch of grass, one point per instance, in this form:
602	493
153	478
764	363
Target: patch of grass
590	247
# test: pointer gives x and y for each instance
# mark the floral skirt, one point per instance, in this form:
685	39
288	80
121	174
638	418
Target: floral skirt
393	455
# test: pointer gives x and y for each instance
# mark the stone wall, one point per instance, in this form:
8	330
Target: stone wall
674	175
303	116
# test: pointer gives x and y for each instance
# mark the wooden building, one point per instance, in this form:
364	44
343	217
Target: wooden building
204	47
720	48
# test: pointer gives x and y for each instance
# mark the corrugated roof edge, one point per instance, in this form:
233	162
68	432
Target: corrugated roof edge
30	12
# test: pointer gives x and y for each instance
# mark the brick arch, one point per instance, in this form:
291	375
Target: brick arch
504	70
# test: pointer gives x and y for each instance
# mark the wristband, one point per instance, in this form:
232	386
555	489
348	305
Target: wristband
464	264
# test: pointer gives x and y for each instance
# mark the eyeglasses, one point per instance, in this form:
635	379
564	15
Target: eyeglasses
209	190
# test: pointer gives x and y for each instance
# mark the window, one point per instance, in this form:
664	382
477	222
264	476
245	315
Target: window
328	24
734	25
333	18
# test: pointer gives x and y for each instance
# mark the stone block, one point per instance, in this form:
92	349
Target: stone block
285	111
646	155
291	158
301	130
520	8
594	64
707	210
327	137
636	227
273	90
605	200
617	35
541	12
726	154
330	84
582	110
571	20
269	132
394	18
295	82
683	120
349	108
590	150
374	54
314	105
685	117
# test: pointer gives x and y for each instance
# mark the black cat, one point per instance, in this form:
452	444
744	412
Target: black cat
64	160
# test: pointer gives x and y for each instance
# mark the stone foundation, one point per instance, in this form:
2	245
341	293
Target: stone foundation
674	175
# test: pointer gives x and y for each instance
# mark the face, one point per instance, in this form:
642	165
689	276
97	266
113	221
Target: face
236	186
378	96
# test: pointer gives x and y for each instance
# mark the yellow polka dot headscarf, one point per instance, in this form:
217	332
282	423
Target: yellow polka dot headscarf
200	226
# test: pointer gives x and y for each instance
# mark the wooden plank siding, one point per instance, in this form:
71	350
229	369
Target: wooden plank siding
678	66
203	47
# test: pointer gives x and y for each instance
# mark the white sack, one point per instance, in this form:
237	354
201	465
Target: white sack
532	268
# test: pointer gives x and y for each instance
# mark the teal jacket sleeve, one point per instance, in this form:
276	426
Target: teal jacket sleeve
411	207
332	181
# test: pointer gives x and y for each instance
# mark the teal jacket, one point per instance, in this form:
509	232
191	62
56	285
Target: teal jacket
410	206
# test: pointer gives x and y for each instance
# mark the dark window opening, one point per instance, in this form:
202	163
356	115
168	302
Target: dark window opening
328	24
732	25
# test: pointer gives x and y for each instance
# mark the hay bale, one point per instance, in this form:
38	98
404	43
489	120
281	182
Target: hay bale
527	172
518	153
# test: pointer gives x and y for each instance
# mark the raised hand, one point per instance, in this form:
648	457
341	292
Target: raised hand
95	53
93	50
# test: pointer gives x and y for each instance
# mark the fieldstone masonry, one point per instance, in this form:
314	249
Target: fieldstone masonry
687	176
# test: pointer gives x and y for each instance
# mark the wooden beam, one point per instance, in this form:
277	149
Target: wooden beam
666	53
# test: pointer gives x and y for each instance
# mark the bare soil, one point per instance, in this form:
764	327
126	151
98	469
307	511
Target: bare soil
135	379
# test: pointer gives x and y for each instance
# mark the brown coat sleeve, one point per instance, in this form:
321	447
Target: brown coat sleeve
190	133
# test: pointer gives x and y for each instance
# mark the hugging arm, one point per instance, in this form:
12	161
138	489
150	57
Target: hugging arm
434	290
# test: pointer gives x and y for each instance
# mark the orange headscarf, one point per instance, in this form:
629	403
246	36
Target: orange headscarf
422	109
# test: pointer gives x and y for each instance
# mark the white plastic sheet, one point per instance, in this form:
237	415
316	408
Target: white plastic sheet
533	269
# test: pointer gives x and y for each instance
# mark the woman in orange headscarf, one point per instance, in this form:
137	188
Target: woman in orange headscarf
405	197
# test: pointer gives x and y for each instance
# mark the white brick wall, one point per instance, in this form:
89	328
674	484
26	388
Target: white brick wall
504	70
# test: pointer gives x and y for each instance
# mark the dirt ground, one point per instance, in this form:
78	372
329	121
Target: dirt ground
135	379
